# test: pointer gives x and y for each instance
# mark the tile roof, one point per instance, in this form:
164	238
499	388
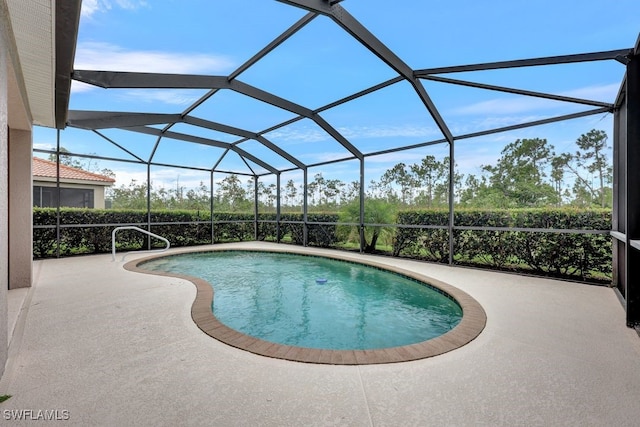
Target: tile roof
47	169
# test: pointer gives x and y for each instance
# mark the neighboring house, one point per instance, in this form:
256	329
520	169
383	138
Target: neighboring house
78	188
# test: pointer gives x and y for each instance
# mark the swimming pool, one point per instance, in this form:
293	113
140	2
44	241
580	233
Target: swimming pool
317	309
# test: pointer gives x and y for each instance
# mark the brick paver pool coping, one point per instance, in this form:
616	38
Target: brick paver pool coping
472	323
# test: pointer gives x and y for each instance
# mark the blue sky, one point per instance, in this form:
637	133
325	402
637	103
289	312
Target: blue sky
321	64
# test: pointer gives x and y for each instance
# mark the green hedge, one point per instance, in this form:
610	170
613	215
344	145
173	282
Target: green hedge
431	244
82	230
194	230
584	257
290	230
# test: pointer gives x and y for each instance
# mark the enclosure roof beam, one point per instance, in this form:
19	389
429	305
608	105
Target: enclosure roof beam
137	80
130	80
249	166
93	120
269	98
519	91
208	124
278	126
406	147
243	133
180	136
67	18
549	60
270	145
331	105
330	162
622	92
360	94
359	32
263	52
118	145
203	141
222	156
274	43
337	136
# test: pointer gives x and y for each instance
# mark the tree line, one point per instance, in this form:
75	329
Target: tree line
527	174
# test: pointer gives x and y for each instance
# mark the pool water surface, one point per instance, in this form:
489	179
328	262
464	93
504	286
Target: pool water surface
315	302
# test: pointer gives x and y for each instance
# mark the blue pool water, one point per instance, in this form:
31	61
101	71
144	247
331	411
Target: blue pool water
316	302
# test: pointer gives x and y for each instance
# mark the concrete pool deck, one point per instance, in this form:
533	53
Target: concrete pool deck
113	347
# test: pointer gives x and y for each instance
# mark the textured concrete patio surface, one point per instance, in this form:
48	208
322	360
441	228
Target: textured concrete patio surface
108	347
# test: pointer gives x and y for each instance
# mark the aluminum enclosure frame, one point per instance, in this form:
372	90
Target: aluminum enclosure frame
626	182
626	135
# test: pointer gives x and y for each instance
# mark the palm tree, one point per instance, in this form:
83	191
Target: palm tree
376	211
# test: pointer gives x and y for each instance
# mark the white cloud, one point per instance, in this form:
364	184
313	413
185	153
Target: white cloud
296	175
309	134
92	7
605	93
165	96
124	177
162	178
169	179
399	131
471	163
79	87
506	106
490	122
44	145
300	136
107	56
131	4
324	156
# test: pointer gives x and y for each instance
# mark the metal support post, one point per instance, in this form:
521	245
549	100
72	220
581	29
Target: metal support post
632	194
255	207
211	206
278	193
58	193
452	174
361	197
305	209
148	205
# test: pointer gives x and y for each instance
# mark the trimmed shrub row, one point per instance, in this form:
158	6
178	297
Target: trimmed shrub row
83	232
318	234
585	257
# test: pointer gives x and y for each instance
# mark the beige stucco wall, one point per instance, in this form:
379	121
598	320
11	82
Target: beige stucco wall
4	193
20	209
15	123
98	197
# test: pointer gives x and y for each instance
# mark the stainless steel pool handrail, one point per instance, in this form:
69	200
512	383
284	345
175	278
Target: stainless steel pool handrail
131	227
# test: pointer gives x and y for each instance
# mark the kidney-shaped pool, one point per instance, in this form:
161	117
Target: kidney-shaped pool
318	309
